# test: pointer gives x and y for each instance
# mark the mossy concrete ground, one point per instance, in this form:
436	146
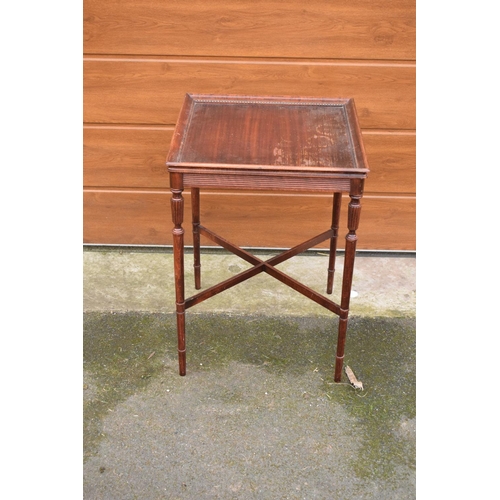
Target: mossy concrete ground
124	280
258	414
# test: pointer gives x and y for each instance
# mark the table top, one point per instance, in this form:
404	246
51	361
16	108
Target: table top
267	133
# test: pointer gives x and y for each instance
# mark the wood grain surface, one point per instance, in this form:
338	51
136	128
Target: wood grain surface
134	157
258	220
152	90
142	56
126	156
339	29
273	133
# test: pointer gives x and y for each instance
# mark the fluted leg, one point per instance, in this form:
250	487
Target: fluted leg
178	243
337	200
195	204
353	215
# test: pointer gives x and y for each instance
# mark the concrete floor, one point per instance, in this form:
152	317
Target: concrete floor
258	414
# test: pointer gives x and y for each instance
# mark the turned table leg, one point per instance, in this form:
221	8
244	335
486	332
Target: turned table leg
178	244
337	200
354	211
195	205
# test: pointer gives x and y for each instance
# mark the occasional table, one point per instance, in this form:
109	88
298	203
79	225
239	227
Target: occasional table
273	144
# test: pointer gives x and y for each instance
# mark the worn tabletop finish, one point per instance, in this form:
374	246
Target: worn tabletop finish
273	143
281	133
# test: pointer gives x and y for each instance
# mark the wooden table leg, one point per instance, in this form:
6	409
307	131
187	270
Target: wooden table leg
353	215
337	200
178	243
195	205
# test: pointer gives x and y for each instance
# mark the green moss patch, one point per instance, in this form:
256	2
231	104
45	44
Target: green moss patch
125	352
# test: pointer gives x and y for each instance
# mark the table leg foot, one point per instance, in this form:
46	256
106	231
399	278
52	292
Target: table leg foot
353	216
339	360
181	336
182	363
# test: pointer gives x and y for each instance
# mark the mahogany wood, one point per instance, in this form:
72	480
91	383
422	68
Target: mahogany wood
353	216
264	266
288	254
229	246
178	237
224	285
195	206
280	140
337	200
304	290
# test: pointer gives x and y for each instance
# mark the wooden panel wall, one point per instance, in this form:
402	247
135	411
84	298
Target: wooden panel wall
142	56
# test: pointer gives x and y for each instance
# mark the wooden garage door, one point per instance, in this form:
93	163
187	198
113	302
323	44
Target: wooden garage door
142	56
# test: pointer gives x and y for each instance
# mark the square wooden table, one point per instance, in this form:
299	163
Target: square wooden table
266	143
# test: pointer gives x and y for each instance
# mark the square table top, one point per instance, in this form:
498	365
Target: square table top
268	133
